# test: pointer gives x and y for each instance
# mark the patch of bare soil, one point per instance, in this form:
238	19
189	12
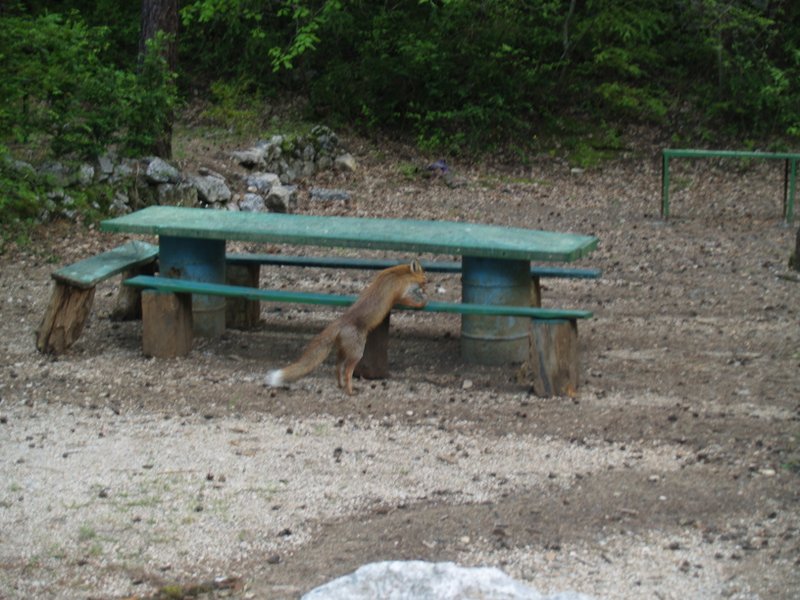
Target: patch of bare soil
672	474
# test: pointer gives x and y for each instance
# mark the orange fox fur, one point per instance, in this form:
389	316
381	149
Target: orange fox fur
403	284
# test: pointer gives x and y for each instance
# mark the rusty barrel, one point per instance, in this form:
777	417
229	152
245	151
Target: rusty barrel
197	260
495	340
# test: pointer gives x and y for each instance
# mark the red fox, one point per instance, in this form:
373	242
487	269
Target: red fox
403	284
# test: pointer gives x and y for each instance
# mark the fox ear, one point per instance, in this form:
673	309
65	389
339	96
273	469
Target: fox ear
415	266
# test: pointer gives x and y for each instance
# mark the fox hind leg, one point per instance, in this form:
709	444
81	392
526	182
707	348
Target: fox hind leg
348	375
351	349
341	358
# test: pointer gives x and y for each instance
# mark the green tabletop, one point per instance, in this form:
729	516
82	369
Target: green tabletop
439	237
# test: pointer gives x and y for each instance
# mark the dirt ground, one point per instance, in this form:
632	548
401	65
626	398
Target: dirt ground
674	473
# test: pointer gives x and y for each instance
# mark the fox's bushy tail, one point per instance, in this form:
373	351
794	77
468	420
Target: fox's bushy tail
317	351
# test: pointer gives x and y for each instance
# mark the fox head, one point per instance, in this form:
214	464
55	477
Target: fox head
414	292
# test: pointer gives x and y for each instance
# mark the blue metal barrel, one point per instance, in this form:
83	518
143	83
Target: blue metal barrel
197	260
495	340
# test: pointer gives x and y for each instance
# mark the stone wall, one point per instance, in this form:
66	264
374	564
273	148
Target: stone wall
273	167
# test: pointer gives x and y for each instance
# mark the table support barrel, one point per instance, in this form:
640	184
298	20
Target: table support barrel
197	260
495	340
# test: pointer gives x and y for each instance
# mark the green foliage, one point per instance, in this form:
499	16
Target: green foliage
28	196
20	193
590	149
229	40
63	94
459	73
59	90
614	50
453	74
235	105
119	20
307	25
147	99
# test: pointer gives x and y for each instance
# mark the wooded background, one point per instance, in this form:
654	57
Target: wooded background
459	75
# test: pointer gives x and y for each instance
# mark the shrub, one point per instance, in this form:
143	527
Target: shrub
60	93
20	197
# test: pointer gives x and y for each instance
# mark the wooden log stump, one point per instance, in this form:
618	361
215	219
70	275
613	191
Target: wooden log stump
166	324
554	360
128	306
65	317
241	313
536	291
375	362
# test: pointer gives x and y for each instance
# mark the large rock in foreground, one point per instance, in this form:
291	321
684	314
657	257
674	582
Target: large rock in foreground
420	580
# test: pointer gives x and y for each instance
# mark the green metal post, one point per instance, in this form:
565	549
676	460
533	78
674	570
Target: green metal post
788	211
665	186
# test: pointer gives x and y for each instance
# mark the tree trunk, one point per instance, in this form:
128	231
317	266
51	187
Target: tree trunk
161	15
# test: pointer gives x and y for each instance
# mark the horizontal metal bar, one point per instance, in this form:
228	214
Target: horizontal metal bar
185	286
381	263
695	153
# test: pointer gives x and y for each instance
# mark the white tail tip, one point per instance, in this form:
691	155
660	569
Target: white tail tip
274	378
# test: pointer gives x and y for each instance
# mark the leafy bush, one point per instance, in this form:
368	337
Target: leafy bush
459	73
229	40
60	92
20	198
61	97
28	196
147	100
453	73
236	106
19	189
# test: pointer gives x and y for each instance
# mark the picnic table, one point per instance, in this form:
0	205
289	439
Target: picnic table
495	265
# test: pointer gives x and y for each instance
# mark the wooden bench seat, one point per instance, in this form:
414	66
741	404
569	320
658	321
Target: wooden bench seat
167	327
73	293
89	272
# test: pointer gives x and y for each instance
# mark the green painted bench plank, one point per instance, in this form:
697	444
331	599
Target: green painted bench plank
183	286
89	272
381	263
495	310
440	237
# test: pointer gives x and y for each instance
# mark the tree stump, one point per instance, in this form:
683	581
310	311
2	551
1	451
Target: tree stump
166	324
536	292
375	362
554	361
128	306
241	313
65	317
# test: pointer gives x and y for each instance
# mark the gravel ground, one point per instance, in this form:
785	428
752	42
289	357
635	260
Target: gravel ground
672	474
